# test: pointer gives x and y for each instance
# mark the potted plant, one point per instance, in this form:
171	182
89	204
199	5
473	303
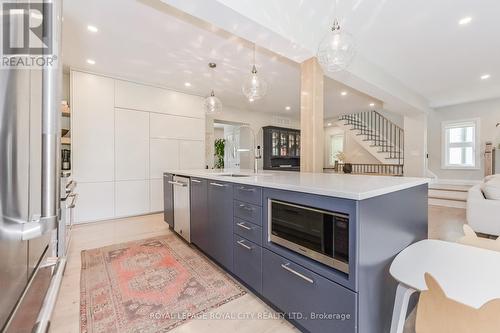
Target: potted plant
219	145
340	157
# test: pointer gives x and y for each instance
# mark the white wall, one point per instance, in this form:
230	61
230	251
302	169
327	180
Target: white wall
489	114
353	151
256	120
415	145
124	136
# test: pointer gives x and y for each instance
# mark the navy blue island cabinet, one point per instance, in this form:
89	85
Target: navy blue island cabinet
230	222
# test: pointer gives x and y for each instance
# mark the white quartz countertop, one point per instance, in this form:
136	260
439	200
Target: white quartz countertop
356	187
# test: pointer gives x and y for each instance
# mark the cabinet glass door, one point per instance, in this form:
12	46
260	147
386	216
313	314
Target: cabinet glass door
275	143
297	145
284	144
291	144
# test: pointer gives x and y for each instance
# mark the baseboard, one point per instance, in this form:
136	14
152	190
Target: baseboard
114	218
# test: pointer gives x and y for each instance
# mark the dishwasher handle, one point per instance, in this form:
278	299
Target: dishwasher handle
177	183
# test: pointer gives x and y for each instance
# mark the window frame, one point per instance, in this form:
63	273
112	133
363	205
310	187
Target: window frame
445	144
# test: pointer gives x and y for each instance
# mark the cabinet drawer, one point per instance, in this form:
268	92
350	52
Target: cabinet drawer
248	212
250	194
248	230
248	262
294	289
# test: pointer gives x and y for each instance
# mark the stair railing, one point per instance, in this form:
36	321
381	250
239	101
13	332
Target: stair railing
380	131
368	169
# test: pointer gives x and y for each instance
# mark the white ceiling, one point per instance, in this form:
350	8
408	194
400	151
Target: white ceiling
420	43
154	43
157	44
353	101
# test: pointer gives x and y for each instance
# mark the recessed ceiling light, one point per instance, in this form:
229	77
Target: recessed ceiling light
465	20
485	76
344	93
251	100
187	84
288	108
329	124
92	28
90	62
372	104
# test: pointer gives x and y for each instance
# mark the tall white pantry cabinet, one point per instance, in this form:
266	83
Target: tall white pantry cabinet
124	136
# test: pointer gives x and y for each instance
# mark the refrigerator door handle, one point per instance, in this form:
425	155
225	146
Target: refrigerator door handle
49	218
50	135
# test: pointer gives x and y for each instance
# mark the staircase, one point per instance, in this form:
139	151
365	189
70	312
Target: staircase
379	136
448	195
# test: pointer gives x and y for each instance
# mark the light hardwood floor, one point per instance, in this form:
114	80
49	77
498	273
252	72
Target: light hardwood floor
444	223
66	317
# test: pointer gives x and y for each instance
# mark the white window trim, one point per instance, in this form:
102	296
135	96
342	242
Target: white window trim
477	144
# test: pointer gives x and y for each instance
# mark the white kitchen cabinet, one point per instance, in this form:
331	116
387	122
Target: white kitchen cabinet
124	137
175	127
131	145
131	198
92	127
191	154
148	98
156	195
164	156
96	201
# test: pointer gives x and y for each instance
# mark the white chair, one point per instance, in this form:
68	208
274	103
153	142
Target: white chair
483	215
468	275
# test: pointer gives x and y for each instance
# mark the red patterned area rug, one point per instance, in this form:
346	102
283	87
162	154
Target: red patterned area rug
148	286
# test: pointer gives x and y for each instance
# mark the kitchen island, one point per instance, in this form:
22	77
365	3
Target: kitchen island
316	247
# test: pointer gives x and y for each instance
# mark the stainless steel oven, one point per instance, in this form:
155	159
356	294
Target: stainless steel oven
315	233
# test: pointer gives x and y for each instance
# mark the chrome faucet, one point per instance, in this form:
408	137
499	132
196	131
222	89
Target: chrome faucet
257	155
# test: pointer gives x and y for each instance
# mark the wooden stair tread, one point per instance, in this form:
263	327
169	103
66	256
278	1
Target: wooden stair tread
450	187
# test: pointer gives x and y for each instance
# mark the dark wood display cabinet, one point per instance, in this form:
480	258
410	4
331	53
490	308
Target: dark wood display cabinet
281	149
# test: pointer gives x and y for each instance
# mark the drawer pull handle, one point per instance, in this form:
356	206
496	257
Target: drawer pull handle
250	209
242	188
242	244
195	181
302	276
241	225
217	184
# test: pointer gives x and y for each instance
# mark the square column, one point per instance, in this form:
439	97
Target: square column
311	116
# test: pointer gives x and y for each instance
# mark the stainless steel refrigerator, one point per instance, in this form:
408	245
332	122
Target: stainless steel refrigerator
29	185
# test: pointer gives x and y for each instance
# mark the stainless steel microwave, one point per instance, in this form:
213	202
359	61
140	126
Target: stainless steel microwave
315	233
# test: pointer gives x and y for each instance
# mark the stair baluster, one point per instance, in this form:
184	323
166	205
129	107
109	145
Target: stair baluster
382	134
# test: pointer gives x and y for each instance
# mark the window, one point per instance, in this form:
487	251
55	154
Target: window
460	144
336	146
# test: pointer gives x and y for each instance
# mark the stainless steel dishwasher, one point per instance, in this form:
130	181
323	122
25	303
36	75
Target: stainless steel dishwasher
182	216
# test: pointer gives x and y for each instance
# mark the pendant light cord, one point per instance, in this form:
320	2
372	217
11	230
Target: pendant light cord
254	67
254	51
336	24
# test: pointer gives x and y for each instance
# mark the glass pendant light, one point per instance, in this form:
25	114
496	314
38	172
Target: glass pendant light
337	49
212	104
254	87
